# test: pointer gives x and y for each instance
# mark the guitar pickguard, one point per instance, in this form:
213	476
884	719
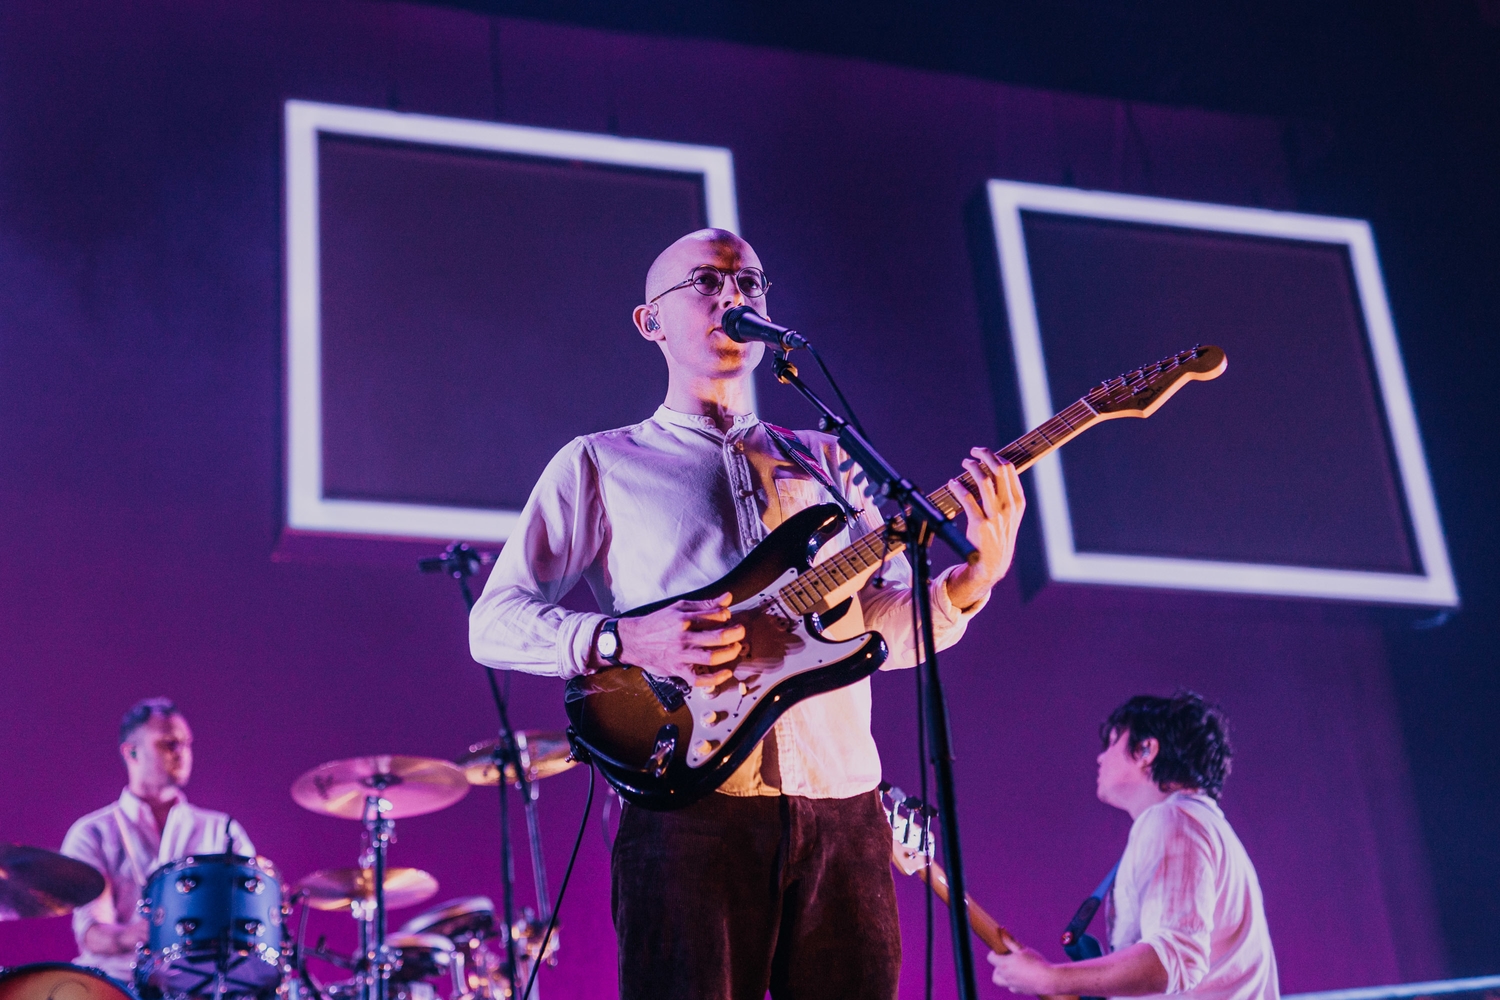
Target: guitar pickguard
779	646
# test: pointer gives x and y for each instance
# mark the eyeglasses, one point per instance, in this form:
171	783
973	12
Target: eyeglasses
705	279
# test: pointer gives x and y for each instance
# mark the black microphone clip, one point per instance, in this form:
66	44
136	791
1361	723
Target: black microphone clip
743	324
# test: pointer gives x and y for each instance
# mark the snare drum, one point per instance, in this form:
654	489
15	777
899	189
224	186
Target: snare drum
212	916
60	981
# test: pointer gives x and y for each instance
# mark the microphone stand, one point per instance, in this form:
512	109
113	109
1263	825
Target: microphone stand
921	523
461	560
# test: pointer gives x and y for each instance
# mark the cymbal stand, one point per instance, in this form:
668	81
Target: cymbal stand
379	829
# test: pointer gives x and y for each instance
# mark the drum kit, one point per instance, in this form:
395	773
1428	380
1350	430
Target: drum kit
218	923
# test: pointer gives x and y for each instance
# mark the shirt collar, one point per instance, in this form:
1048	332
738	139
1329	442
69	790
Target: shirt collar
137	811
698	421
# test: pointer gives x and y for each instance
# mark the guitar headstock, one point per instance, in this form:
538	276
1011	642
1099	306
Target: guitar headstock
1139	393
911	819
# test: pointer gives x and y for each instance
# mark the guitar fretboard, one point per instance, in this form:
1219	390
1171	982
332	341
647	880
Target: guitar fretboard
807	592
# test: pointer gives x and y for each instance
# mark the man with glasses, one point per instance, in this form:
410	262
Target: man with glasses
150	824
781	880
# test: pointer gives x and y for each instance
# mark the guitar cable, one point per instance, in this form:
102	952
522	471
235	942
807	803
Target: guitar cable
562	889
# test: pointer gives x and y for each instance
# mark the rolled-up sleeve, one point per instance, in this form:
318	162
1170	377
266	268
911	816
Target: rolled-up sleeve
1177	901
517	623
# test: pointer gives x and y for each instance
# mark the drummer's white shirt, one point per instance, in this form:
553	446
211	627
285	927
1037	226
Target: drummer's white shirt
122	842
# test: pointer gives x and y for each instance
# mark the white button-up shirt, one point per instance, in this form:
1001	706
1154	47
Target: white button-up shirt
122	841
1187	888
669	505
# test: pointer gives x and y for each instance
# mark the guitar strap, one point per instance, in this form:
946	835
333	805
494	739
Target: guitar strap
1076	943
805	460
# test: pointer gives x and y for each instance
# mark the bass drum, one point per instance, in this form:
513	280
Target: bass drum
60	981
212	916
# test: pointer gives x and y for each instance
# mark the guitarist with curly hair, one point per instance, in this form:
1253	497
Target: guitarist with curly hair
1186	915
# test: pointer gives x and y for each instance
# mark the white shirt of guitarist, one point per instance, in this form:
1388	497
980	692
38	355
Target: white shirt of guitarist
669	505
122	842
1187	888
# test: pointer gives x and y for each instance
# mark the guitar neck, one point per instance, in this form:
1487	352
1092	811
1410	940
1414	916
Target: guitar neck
985	927
807	592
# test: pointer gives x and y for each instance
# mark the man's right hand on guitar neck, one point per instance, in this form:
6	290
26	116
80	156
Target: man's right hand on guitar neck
681	640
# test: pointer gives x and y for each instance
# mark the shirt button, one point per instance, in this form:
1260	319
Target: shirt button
747	494
739	446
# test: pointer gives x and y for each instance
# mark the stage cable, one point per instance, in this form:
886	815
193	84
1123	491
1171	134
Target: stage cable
562	889
849	410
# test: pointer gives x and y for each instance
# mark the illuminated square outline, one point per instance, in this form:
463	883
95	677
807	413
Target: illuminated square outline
307	508
1436	587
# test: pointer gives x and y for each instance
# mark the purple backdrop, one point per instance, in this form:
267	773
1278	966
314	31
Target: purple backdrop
140	458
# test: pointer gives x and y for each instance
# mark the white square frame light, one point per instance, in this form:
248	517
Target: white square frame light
307	508
1435	587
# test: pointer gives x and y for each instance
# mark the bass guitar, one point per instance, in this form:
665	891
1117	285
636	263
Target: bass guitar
912	848
663	743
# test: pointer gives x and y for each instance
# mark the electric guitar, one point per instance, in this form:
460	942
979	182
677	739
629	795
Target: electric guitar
663	743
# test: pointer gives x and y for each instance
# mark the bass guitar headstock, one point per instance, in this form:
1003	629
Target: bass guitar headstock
912	844
1139	393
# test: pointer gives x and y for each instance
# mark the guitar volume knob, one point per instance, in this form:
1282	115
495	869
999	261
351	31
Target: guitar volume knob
715	717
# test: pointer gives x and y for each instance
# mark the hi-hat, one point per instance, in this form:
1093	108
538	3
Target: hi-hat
39	883
339	888
467	917
543	754
405	786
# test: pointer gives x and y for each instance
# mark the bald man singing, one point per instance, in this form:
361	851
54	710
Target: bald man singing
780	881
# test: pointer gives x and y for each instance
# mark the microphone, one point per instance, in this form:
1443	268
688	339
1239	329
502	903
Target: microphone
743	324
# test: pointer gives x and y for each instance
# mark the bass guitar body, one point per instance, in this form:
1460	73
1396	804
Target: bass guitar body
663	743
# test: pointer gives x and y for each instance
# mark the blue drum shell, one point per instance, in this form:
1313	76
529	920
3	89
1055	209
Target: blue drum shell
207	913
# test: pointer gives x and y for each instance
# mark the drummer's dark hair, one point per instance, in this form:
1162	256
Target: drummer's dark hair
1192	736
141	712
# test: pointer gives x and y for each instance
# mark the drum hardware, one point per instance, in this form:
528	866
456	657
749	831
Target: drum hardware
39	883
377	791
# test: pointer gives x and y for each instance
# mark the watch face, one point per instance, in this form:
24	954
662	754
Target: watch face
609	644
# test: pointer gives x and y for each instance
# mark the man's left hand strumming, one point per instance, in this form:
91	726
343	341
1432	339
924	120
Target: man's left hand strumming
994	519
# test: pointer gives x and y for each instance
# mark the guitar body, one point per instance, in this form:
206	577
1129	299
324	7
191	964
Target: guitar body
663	744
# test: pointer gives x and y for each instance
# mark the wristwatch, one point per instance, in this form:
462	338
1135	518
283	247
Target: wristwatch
607	645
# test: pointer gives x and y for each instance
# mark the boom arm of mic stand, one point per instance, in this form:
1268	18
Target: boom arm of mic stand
890	482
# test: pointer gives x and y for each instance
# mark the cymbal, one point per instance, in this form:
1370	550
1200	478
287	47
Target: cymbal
543	752
408	786
39	883
339	888
466	917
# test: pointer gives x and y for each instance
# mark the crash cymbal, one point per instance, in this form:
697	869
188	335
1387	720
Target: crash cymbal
338	888
409	786
543	752
39	883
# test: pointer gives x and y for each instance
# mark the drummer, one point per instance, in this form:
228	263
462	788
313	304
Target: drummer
150	824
